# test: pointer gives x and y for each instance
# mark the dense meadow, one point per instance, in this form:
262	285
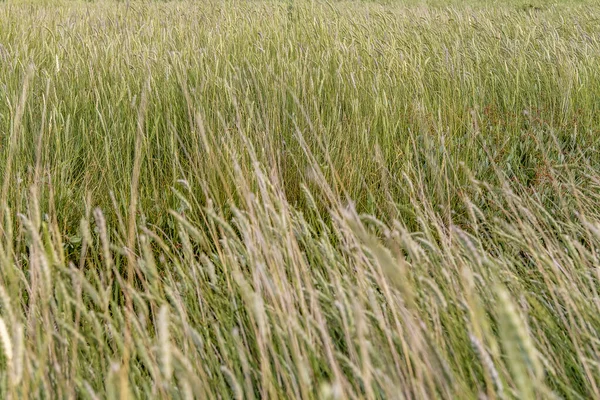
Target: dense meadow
296	199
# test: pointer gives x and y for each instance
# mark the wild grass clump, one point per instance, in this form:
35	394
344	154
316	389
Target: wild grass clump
299	200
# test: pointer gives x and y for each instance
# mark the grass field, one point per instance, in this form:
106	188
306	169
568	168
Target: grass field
269	199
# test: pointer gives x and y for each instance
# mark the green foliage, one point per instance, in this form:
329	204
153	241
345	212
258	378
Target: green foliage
299	200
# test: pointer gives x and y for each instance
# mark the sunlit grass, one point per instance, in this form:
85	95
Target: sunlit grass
299	200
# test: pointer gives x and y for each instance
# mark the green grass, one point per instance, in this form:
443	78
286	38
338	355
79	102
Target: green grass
300	200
